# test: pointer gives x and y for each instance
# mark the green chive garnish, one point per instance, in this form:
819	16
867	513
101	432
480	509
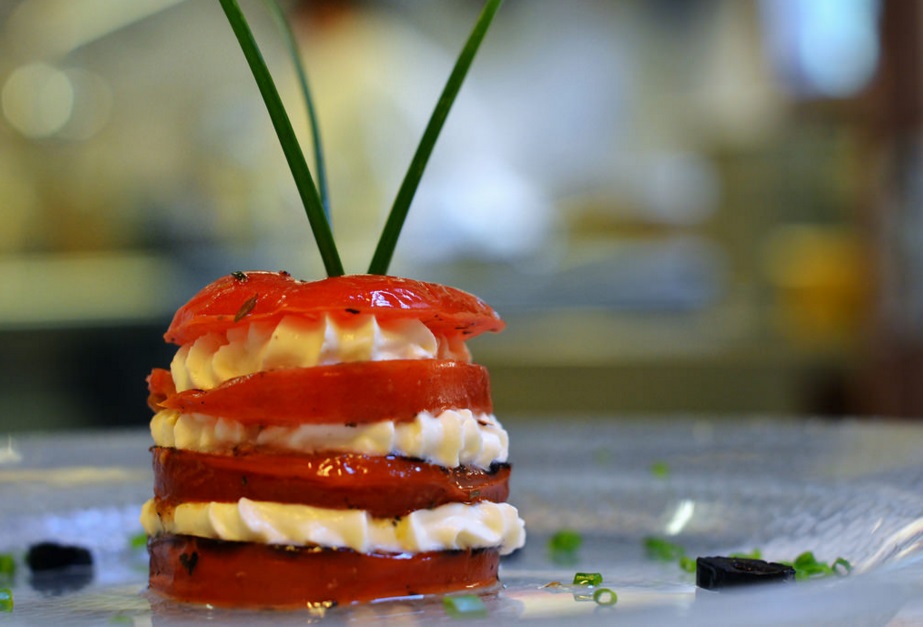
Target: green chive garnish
464	606
808	567
687	564
587	579
7	565
6	600
395	222
660	470
290	147
565	541
605	596
320	166
138	541
663	550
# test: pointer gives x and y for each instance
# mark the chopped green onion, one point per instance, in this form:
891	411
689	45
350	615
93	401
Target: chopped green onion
755	554
841	566
7	565
464	606
6	600
663	550
565	541
121	619
138	541
310	197
660	470
319	165
395	222
588	579
687	564
605	596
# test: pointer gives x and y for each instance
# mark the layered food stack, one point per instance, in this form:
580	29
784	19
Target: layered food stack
326	442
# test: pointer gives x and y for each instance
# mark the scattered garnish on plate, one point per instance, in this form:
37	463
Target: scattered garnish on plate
808	567
53	556
565	541
713	573
663	550
464	606
7	566
661	469
588	579
6	600
605	597
138	541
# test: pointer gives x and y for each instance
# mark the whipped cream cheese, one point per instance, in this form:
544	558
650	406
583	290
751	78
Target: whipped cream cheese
454	526
297	342
453	438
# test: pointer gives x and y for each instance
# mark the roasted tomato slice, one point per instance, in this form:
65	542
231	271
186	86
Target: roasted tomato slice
384	486
244	574
349	393
265	296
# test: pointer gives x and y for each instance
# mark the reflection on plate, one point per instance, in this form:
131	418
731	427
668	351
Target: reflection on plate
845	489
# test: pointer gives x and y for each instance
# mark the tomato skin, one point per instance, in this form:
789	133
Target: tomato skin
386	487
351	393
160	387
242	574
267	296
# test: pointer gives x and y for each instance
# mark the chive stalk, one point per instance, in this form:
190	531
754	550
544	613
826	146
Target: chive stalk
307	190
395	222
320	167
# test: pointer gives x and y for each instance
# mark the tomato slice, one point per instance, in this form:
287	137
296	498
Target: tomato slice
244	574
350	393
384	486
267	296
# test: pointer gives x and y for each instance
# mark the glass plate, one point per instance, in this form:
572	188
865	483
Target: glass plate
840	489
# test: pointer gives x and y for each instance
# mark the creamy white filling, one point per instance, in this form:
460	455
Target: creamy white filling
455	526
297	342
455	437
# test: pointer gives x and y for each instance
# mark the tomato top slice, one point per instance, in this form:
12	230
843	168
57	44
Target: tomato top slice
266	296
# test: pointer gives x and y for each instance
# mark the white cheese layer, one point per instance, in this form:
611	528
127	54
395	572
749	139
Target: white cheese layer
455	437
454	526
297	342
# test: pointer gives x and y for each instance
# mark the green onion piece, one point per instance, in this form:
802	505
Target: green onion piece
588	579
660	470
121	619
755	554
663	550
395	222
7	565
290	147
841	566
138	541
687	564
605	596
319	164
464	606
6	600
565	541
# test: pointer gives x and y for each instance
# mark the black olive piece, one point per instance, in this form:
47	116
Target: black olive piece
712	573
52	556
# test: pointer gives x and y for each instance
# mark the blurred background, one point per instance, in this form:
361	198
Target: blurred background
679	206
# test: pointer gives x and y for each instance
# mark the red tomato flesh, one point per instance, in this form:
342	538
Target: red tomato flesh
267	296
384	486
350	393
242	574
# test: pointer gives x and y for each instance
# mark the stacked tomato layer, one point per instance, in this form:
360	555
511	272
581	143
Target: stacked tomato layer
235	573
